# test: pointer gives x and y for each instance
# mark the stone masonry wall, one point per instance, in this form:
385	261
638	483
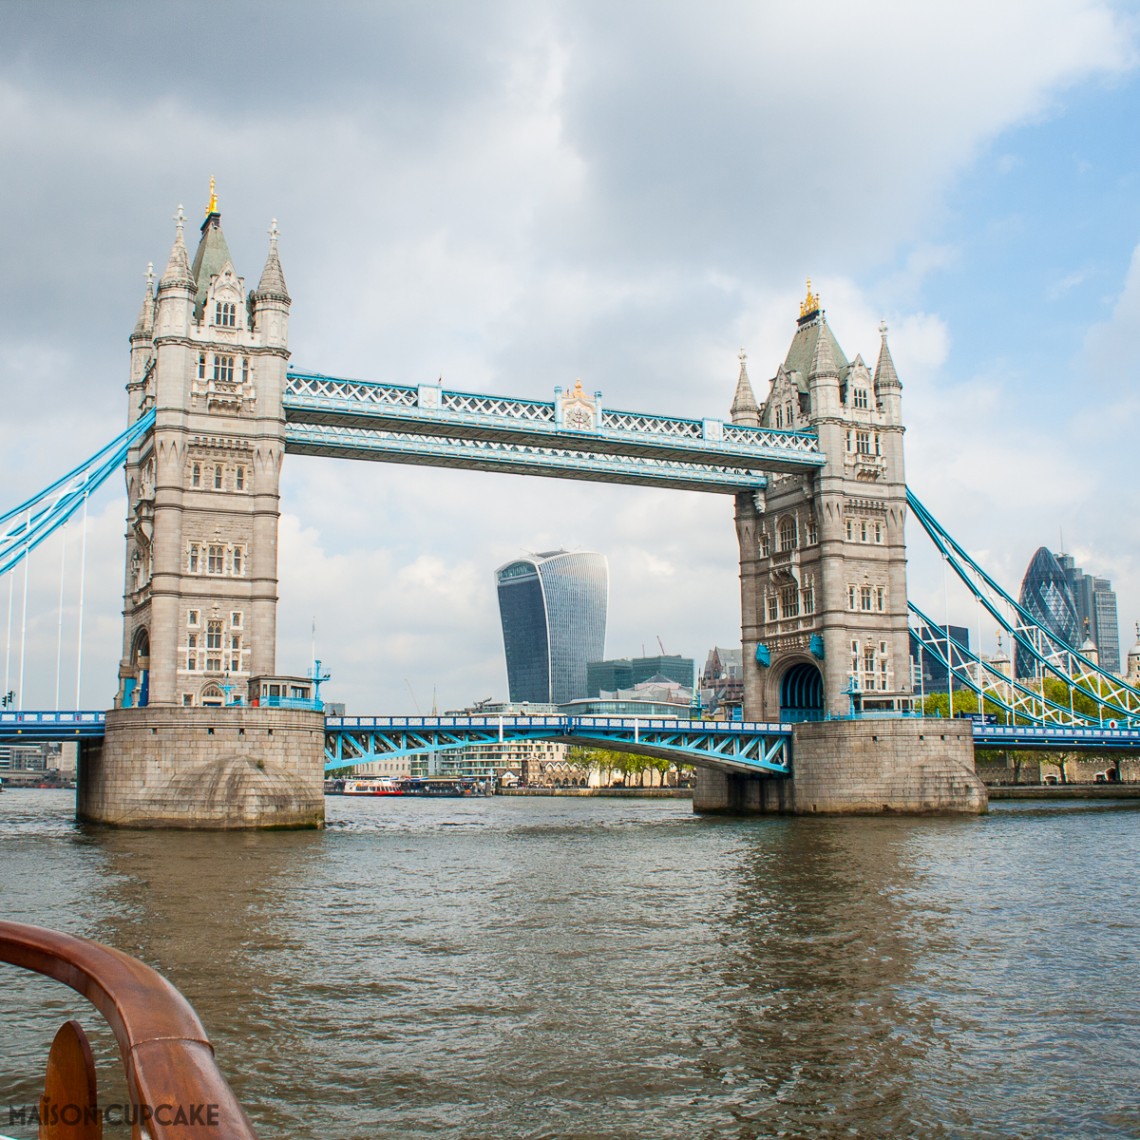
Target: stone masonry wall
922	766
217	768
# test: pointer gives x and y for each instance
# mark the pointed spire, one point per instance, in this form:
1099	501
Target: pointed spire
272	283
823	361
145	324
885	374
177	273
744	409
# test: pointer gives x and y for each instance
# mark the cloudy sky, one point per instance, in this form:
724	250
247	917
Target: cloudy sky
511	195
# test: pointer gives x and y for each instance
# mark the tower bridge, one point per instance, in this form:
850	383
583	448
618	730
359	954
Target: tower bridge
205	733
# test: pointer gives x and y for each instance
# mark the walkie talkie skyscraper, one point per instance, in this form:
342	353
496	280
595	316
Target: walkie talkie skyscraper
553	611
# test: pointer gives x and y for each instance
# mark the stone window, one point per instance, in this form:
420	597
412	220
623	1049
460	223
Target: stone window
192	618
865	597
863	442
236	561
201	366
849	439
861	398
236	619
239	478
245	369
193	562
218	480
862	530
215	559
773	613
878	445
851	597
807	598
779	417
196	475
786	536
225	314
880	598
224	369
789	419
235	653
812	531
790	601
187	700
879	532
849	529
765	544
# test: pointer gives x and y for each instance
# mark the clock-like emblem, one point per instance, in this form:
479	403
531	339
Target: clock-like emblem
579	417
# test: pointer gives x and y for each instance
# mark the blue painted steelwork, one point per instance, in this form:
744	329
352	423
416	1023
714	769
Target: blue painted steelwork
23	528
1056	738
739	746
326	415
1114	698
30	727
1017	700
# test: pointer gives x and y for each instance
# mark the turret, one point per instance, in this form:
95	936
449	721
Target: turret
175	289
744	409
1133	675
270	301
823	376
888	389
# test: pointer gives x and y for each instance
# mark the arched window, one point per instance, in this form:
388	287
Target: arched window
786	534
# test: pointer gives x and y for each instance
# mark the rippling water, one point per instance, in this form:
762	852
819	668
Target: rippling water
528	967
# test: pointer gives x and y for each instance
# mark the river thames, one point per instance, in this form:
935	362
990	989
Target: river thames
527	967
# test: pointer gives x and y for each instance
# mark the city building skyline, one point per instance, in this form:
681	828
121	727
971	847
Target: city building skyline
553	610
625	672
1072	605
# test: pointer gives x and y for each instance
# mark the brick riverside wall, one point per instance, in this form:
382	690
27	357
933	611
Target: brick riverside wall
213	769
915	766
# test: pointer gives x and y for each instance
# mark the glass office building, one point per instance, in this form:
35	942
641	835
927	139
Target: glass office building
1046	594
553	611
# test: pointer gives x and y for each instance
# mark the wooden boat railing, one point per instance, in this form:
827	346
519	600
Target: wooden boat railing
176	1089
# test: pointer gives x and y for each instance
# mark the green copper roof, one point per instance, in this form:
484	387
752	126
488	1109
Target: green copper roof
801	353
212	255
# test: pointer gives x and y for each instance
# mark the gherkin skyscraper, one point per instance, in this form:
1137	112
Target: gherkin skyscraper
1045	593
553	612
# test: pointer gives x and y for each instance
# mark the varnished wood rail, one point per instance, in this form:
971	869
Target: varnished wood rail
177	1090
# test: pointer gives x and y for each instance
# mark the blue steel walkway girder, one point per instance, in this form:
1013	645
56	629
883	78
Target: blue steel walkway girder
734	746
326	415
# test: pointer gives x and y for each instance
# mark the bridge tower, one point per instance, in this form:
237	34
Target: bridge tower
823	555
200	598
184	746
823	601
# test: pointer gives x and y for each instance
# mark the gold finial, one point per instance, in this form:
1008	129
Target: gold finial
212	208
810	303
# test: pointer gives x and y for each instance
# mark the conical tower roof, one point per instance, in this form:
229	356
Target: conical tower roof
804	351
144	326
272	283
213	254
744	409
177	273
885	374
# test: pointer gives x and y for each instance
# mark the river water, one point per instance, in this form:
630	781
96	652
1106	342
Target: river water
533	967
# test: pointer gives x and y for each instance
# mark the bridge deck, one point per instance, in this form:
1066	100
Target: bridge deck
326	415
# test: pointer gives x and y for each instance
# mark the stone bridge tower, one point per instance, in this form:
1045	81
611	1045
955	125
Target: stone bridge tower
823	556
200	599
185	746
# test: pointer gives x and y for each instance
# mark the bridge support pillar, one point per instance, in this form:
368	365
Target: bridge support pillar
917	766
206	768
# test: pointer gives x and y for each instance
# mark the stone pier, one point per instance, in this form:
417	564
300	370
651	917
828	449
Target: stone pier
211	769
916	766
